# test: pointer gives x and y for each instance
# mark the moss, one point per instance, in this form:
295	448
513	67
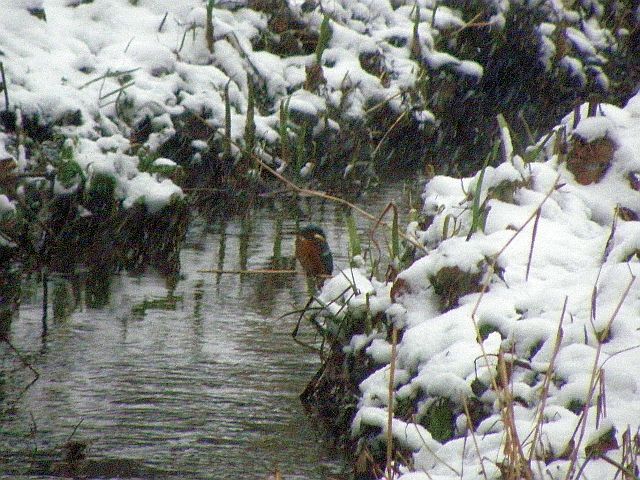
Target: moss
439	420
535	348
478	387
602	444
478	411
452	283
486	329
100	195
505	190
405	408
575	405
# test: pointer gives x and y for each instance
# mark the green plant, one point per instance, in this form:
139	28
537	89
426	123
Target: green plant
226	140
324	38
250	125
285	148
478	211
355	248
68	171
301	157
455	228
209	25
439	419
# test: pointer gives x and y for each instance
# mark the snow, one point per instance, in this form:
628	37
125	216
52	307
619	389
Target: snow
6	205
164	162
581	283
4	155
144	187
592	128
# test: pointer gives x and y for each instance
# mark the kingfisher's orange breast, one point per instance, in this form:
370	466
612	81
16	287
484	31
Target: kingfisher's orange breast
309	254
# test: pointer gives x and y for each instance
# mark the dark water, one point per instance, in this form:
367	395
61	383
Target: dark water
197	378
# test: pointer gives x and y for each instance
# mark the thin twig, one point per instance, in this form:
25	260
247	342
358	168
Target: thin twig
627	471
73	432
109	74
164	19
36	374
533	240
19	355
386	134
431	451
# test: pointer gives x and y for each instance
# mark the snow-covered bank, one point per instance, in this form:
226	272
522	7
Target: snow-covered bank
527	332
131	72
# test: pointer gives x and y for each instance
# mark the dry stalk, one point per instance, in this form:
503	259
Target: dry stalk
546	383
630	452
517	467
473	437
390	207
473	24
582	423
386	134
5	87
485	286
382	103
392	371
431	451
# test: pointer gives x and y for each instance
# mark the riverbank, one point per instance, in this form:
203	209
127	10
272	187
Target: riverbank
508	350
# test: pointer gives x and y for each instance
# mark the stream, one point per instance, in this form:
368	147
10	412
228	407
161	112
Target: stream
195	377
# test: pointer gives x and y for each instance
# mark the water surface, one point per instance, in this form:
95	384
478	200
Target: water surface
195	377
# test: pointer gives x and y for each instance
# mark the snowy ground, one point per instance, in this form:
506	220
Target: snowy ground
560	307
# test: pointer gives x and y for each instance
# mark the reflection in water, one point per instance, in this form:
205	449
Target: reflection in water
196	377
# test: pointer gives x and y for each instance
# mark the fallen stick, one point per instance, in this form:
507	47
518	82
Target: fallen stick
249	272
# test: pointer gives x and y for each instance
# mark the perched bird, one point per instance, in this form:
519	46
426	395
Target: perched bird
313	253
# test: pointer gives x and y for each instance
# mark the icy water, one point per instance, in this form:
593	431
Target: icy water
197	378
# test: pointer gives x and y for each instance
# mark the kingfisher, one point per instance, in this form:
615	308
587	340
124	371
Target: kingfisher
313	253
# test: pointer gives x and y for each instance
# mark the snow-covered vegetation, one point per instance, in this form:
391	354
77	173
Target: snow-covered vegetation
519	343
517	330
125	80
